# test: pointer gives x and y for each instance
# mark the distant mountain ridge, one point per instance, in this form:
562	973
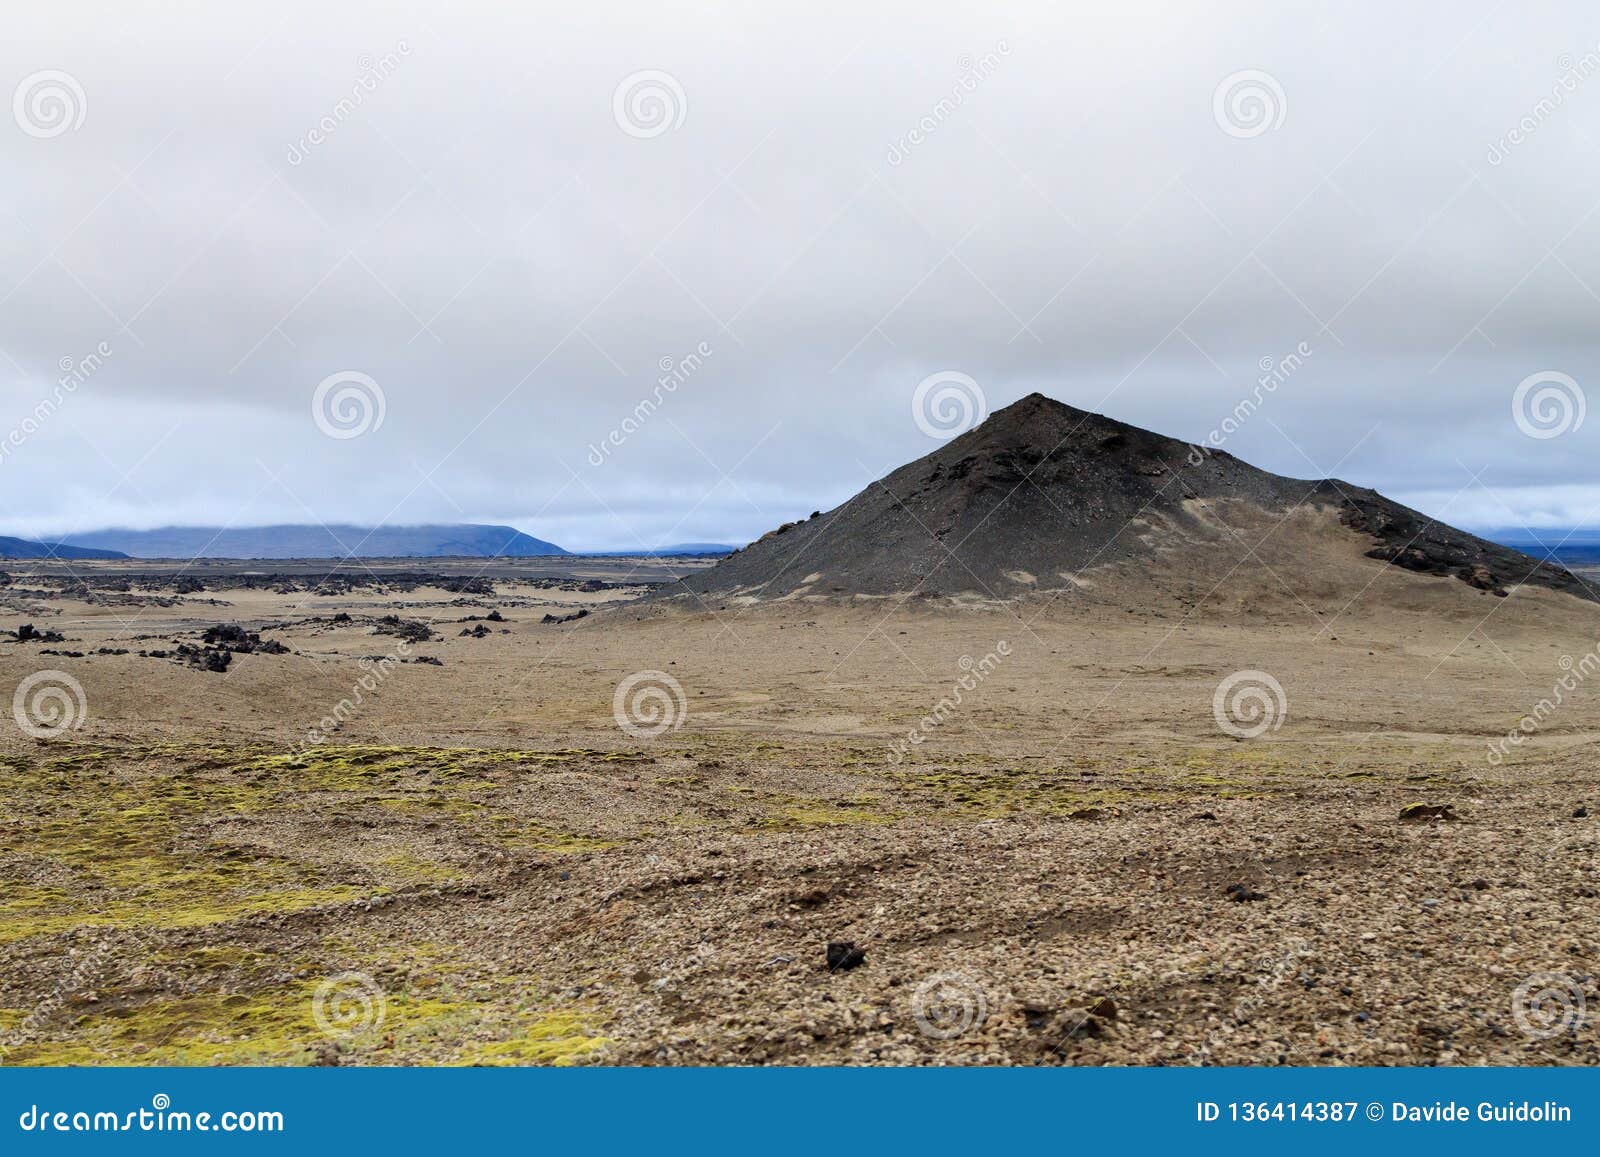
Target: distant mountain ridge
1576	546
677	548
24	548
463	540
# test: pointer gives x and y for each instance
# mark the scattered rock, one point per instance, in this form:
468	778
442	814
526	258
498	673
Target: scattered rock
467	586
1074	1024
1244	893
1580	812
1036	1013
581	614
1421	812
478	632
234	638
843	955
213	659
28	633
411	630
1105	1008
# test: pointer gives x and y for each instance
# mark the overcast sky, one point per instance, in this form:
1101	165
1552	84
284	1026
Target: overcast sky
507	217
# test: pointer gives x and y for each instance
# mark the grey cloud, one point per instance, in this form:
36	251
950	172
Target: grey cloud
478	235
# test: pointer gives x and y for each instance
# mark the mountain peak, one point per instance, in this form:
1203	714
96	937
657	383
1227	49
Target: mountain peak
1045	496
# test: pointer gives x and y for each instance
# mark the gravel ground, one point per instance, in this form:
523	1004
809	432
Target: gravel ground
1077	864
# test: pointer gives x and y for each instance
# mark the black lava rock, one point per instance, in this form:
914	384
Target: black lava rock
843	955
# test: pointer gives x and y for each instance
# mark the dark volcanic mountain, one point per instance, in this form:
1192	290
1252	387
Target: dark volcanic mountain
1045	496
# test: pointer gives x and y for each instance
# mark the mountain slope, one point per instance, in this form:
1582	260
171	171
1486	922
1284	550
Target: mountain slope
1046	496
23	548
307	541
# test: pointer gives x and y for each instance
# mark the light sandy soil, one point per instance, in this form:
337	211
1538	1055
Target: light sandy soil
481	866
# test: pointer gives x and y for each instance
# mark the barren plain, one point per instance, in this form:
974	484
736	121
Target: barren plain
410	821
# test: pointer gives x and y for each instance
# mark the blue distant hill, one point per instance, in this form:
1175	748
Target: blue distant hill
1569	547
465	540
681	548
23	548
